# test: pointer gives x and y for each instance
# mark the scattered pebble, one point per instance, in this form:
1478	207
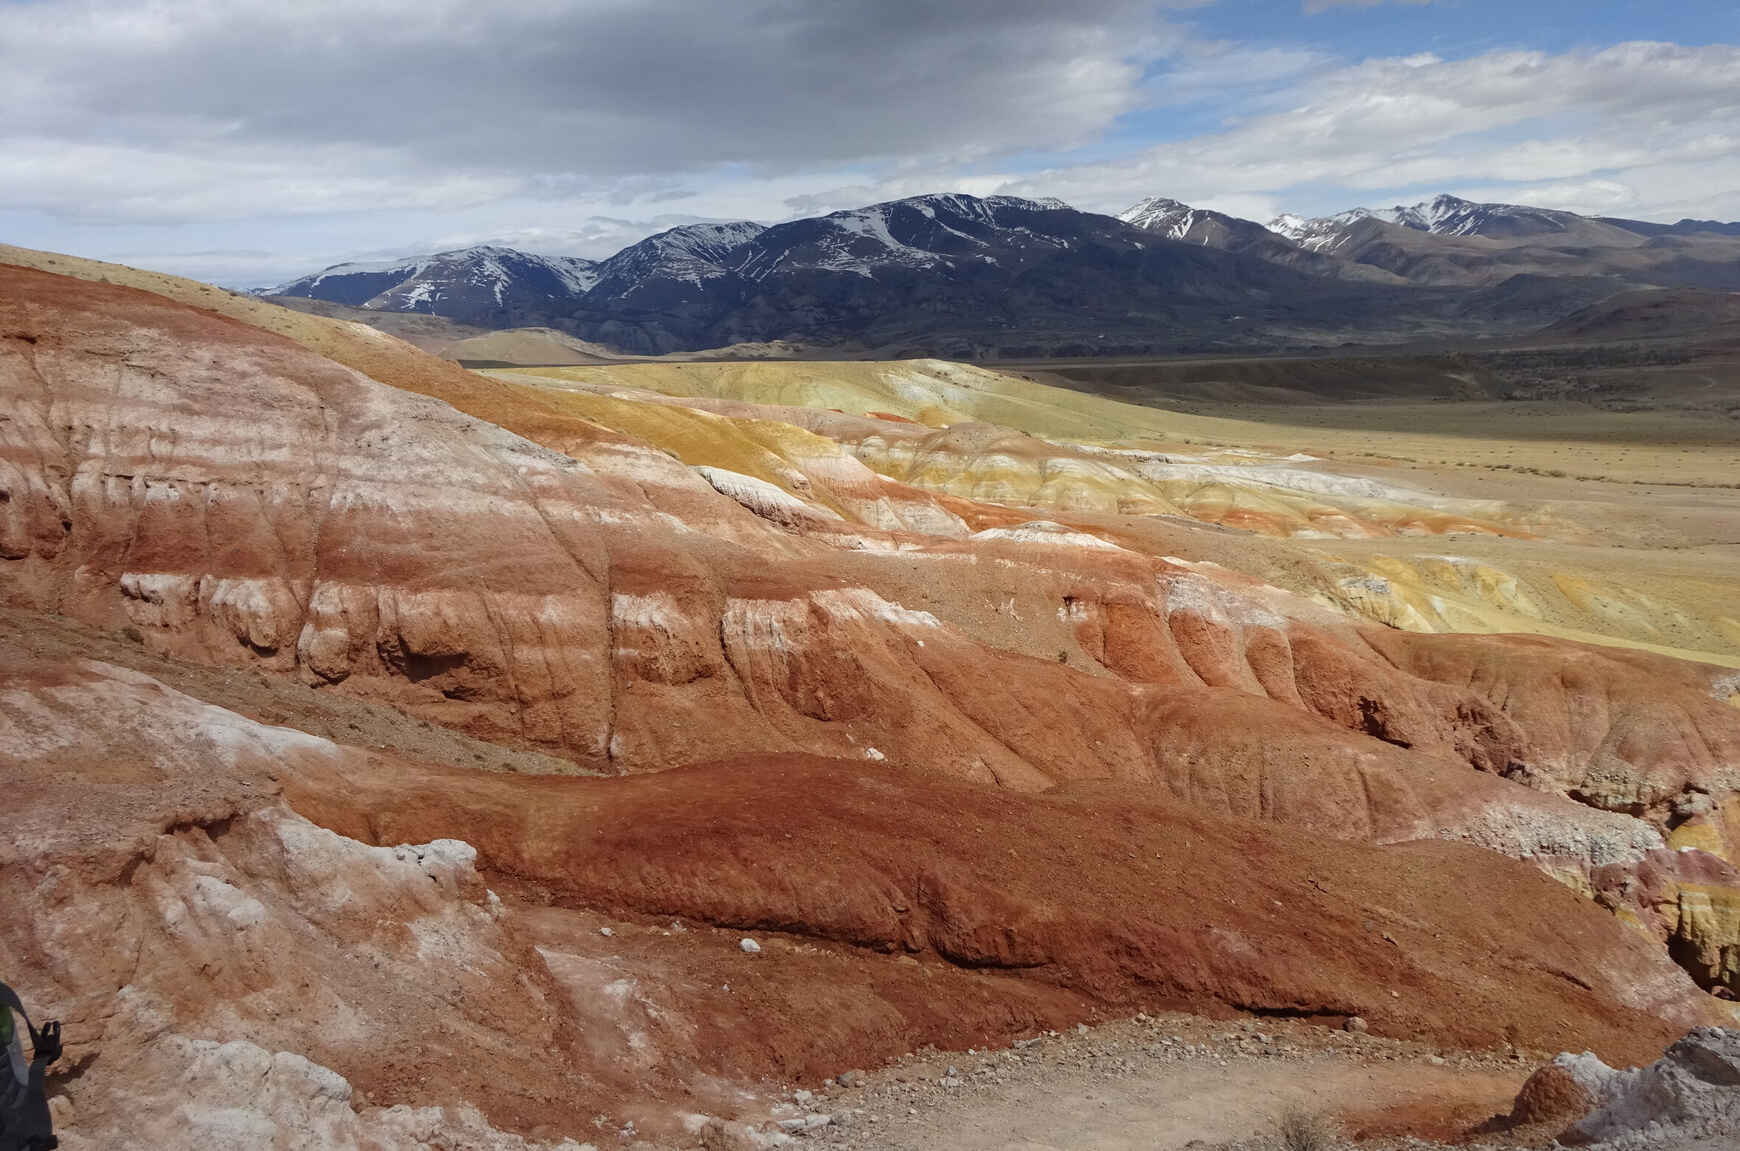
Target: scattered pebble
918	1090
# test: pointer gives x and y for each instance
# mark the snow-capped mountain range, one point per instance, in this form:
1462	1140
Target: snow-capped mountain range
1439	216
698	268
1017	275
691	253
1450	242
481	279
474	283
1177	221
1210	229
916	233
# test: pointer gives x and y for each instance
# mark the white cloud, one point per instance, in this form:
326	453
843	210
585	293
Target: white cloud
324	129
1628	123
312	105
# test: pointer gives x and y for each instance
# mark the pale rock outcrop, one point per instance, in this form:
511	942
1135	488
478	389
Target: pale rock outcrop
214	953
1693	1090
769	501
239	1095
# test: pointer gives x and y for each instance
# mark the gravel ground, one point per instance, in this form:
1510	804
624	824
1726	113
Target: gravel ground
1156	1083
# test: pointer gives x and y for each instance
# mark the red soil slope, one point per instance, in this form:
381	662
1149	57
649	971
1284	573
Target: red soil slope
167	894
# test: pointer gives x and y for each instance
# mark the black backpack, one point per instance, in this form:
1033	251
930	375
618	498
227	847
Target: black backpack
25	1124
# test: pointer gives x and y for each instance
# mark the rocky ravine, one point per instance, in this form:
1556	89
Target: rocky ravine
854	737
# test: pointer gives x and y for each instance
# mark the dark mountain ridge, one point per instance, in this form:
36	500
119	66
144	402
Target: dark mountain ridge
489	286
952	274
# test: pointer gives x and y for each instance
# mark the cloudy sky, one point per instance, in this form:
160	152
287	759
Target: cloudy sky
246	141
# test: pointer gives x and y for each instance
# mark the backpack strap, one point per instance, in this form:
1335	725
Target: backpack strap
9	998
28	1123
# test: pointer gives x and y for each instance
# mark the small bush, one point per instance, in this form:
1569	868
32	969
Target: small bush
1302	1130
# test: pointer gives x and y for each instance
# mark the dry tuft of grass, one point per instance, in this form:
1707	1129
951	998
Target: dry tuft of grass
1302	1130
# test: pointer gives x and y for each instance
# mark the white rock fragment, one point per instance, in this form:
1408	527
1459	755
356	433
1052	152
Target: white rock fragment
1692	1090
769	501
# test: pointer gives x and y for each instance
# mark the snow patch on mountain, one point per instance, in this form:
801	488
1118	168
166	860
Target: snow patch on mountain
1160	214
872	223
1321	234
895	234
471	281
417	283
690	253
1443	215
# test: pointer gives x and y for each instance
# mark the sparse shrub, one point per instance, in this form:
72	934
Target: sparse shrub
1302	1130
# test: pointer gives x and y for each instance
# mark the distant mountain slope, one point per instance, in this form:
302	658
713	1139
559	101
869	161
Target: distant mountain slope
1687	227
965	276
1210	229
1655	314
1178	221
659	264
431	333
940	233
961	275
1452	242
1317	233
485	285
1454	216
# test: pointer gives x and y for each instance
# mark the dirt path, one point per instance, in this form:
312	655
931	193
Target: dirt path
1164	1083
1076	1111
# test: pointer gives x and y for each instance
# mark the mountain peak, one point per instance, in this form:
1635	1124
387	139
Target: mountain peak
673	263
483	279
1442	215
1171	218
1205	227
959	203
1153	203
